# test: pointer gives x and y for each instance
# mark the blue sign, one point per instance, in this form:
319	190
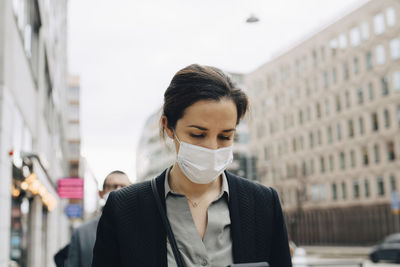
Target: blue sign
395	201
73	211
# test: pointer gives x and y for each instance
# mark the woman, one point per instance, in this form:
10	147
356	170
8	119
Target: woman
216	217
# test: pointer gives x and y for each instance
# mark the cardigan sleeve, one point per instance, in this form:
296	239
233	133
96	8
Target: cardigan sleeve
106	249
280	254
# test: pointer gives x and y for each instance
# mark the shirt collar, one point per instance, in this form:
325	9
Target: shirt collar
225	187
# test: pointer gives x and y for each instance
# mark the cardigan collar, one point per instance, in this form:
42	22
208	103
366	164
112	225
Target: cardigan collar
235	211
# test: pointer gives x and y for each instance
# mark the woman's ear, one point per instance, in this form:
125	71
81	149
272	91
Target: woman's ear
164	123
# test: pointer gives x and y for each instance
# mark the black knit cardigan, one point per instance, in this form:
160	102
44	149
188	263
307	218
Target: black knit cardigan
130	231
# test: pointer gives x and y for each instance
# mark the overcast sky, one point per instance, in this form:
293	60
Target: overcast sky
126	52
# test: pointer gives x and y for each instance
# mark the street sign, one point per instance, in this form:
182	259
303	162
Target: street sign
395	202
70	188
73	211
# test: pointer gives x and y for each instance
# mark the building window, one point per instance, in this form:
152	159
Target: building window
342	161
361	125
334	76
322	164
371	93
334	191
322	53
330	134
365	156
368	60
360	96
333	45
311	137
347	98
366	188
390	151
355	36
355	63
301	141
356	190
314	58
352	159
319	137
339	131
345	71
331	163
376	153
318	109
365	30
301	117
326	107
344	189
379	24
326	82
374	118
395	48
390	16
380	55
396	81
338	104
315	84
398	114
312	166
351	128
393	184
385	86
308	114
386	116
342	41
381	186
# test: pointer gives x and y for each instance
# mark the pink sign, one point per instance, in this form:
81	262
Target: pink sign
70	188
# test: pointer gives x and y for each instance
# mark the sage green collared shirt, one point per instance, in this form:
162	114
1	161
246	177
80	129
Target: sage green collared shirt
216	248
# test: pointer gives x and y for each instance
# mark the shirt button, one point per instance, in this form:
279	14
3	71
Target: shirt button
204	262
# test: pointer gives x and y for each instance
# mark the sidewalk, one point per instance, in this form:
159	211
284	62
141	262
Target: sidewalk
337	252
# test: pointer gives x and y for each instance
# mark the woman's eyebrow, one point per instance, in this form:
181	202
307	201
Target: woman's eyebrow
198	127
205	129
229	130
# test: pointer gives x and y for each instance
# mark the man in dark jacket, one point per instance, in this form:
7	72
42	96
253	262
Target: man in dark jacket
80	251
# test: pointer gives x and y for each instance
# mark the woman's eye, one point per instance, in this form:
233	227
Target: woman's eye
197	135
225	137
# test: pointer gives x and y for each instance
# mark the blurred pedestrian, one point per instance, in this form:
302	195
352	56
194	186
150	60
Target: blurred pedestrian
61	256
80	250
216	217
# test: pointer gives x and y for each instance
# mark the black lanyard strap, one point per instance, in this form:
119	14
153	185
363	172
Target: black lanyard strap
167	226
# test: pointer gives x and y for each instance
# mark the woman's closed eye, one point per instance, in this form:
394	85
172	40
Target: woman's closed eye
221	137
197	135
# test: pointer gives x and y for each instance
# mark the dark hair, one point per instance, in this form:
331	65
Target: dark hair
111	173
195	83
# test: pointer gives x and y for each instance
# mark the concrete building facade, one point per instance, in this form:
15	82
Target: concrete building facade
33	83
244	162
326	128
153	154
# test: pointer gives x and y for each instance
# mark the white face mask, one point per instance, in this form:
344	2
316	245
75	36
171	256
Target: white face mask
202	165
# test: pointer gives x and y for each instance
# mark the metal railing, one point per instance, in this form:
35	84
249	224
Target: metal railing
331	263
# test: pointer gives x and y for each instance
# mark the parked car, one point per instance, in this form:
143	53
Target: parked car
388	250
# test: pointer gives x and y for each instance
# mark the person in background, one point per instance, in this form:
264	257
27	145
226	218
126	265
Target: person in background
80	250
217	218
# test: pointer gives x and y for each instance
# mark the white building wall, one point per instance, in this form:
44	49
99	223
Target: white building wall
23	94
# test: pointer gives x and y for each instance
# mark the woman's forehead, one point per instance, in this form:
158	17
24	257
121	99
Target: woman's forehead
207	113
